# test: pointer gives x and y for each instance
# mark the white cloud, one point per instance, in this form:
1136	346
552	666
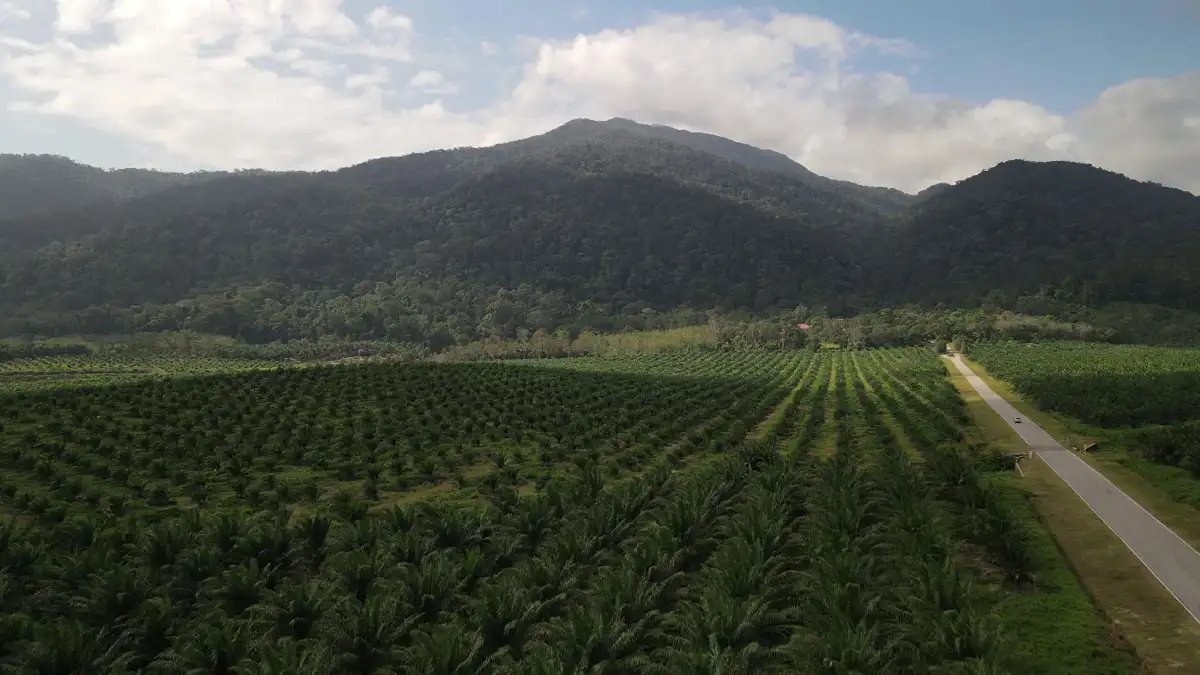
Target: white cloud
378	77
432	82
301	84
79	16
11	10
427	78
318	68
383	18
1149	128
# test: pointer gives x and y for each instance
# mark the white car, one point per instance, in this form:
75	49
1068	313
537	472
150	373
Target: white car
1017	419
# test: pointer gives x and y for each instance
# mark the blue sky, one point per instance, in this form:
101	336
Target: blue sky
1059	53
882	92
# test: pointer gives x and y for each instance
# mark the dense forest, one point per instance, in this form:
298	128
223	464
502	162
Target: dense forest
592	226
37	184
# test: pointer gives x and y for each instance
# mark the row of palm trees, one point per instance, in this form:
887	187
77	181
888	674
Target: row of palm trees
738	568
210	578
225	439
930	418
940	622
764	558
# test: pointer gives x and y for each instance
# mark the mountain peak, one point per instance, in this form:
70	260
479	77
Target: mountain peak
885	200
1074	177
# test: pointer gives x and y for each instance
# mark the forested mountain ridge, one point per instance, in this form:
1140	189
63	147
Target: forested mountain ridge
731	169
73	222
36	184
619	239
886	199
581	147
594	224
1026	228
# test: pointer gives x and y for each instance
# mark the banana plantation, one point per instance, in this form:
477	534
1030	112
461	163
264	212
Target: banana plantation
688	511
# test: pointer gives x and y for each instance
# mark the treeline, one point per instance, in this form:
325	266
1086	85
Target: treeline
1174	445
598	332
802	328
438	314
448	313
14	351
187	343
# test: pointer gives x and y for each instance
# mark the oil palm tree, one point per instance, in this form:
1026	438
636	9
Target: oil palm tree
294	610
213	646
594	637
427	588
449	649
289	657
66	647
366	636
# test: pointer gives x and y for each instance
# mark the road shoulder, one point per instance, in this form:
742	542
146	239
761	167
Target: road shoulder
1181	518
1137	606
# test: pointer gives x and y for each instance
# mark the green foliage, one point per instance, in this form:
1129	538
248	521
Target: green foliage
1059	230
593	226
32	185
1144	396
1107	385
28	374
729	543
1059	623
340	425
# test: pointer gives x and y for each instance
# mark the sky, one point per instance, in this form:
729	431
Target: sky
880	92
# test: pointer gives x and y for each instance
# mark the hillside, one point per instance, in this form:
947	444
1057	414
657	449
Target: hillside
594	224
1059	228
885	200
37	184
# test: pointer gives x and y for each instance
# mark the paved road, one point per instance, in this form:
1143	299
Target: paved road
1171	559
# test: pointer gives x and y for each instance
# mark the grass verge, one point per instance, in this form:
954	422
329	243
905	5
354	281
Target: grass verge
1161	490
1057	627
1134	608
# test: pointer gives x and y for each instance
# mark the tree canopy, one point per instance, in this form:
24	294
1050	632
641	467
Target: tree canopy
599	225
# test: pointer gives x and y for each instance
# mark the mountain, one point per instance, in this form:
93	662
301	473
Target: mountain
592	225
627	224
36	184
1032	228
886	200
935	189
731	169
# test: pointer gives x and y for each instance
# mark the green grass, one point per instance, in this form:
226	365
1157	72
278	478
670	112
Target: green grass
1178	484
1084	567
1163	491
1057	628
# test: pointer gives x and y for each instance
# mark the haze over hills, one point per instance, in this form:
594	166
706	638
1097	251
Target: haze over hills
593	224
35	184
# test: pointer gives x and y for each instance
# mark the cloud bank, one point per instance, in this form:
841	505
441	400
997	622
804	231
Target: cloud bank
308	84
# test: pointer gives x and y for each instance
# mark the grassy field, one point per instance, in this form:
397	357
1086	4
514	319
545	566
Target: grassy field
690	510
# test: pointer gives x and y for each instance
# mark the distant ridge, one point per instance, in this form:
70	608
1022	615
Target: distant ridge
594	224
